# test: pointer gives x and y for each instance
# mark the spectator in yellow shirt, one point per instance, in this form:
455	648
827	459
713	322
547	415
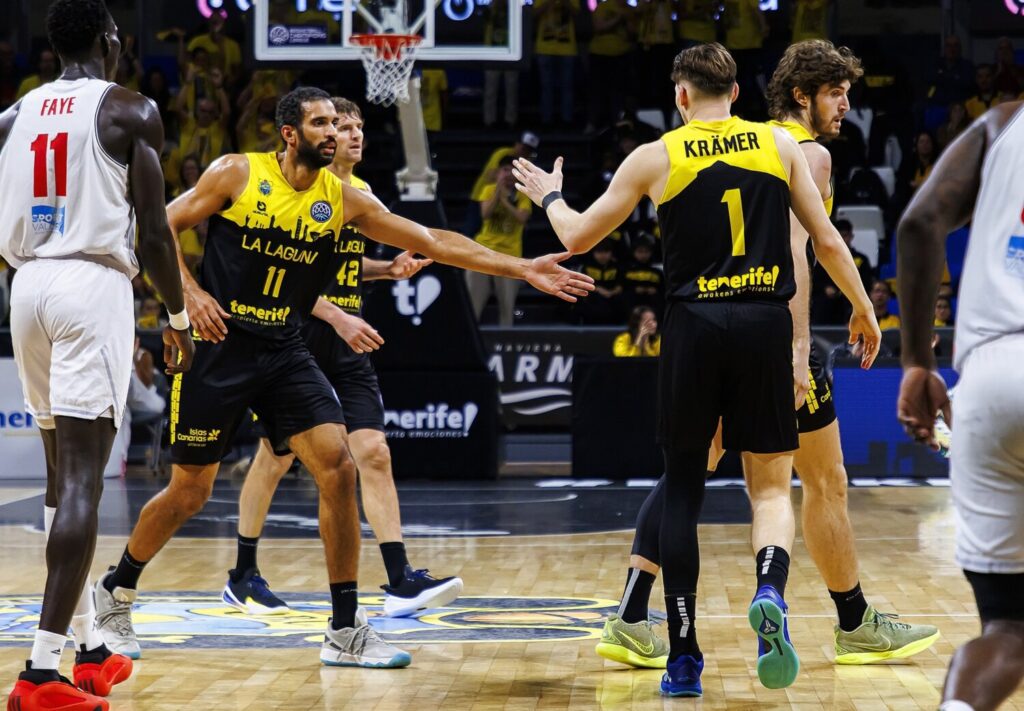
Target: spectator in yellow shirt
525	147
504	210
225	54
46	71
943	312
986	97
256	128
609	65
697	22
810	21
433	97
641	337
555	49
880	297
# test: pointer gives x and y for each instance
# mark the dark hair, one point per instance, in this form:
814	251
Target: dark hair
346	107
709	67
506	160
808	66
73	25
842	225
635	317
289	108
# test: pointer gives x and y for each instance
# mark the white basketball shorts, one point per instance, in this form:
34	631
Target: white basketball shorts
73	328
987	458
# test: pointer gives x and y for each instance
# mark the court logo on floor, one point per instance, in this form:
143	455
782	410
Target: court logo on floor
196	619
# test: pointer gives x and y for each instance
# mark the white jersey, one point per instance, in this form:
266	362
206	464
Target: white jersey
61	195
991	303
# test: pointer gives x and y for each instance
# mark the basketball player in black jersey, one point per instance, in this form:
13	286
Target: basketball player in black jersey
808	98
724	188
128	129
276	220
341	341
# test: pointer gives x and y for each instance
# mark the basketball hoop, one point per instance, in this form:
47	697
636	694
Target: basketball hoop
388	60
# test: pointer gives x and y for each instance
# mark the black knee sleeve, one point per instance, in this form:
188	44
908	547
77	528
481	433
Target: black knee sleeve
999	596
648	525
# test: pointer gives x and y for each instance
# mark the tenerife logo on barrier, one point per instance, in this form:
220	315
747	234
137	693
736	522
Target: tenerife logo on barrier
197	620
414	299
435	421
16	420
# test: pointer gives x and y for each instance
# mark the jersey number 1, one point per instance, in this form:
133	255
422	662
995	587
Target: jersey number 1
40	181
736	226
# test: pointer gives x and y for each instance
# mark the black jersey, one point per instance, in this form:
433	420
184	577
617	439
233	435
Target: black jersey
263	253
724	215
345	288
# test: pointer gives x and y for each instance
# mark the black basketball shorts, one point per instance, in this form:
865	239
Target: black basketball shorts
732	361
819	409
278	380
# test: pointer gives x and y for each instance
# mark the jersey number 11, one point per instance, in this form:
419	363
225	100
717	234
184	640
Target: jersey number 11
40	179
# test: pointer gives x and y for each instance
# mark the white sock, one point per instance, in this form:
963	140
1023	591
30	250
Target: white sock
46	650
83	624
956	705
48	513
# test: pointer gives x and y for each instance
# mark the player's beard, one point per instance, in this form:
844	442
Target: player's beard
822	126
310	155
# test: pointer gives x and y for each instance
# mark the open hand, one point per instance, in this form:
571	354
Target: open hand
533	182
547	275
357	333
864	327
206	315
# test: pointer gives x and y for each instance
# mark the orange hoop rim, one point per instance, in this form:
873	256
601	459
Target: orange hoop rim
386	46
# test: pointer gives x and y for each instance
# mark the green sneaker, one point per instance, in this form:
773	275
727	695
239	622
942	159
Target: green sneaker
880	637
632	643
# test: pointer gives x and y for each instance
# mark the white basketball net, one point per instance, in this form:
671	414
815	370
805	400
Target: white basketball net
388	61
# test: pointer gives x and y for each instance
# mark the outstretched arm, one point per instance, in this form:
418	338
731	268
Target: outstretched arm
644	172
544	273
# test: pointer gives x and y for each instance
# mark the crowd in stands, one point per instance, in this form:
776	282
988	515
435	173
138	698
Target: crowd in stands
587	66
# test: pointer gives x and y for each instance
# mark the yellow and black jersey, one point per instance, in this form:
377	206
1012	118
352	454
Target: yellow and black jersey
268	255
724	215
345	288
802	135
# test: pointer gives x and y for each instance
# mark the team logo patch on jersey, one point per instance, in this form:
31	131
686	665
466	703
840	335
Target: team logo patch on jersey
265	187
321	211
1015	256
46	219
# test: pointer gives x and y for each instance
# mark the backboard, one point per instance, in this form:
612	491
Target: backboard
452	30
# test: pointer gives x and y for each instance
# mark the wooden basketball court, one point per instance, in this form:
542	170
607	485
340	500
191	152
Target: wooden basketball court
525	633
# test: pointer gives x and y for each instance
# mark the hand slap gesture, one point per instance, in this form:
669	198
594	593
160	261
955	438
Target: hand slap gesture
547	275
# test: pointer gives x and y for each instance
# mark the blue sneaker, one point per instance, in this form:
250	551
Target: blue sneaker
777	663
682	677
252	595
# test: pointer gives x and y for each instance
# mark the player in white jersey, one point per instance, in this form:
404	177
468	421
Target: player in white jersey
92	152
980	178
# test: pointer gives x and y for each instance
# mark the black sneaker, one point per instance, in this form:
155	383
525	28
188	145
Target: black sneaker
418	591
252	595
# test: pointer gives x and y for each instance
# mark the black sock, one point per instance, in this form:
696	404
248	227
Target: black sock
126	574
773	568
246	556
636	596
851	607
395	561
682	630
344	600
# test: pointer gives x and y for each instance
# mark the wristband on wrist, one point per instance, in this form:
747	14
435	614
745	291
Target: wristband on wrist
179	321
550	198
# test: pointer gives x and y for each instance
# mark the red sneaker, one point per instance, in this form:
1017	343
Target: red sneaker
47	691
99	670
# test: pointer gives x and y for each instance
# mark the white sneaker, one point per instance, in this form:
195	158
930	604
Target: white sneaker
360	646
114	618
419	591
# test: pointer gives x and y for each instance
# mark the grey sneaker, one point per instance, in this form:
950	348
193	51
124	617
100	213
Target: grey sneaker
360	646
114	618
881	638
